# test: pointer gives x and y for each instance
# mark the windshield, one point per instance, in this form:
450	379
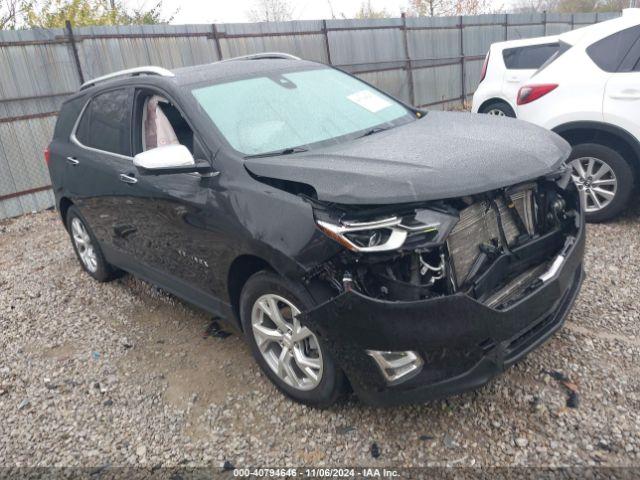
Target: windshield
308	108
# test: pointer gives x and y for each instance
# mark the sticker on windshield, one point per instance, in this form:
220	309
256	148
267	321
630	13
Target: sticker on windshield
369	100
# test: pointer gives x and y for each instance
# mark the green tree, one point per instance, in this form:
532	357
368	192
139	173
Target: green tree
439	8
12	12
366	10
270	11
54	13
570	6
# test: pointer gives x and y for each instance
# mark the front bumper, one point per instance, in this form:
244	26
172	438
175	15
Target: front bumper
463	342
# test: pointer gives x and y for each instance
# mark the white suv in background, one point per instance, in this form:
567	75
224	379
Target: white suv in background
506	66
589	93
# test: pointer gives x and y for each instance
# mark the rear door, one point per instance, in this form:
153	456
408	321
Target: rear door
621	104
522	63
100	149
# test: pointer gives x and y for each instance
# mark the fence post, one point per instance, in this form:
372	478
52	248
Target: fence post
463	97
573	21
216	40
407	56
544	22
506	27
74	49
326	41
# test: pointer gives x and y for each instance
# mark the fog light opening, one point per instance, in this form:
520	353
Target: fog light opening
397	367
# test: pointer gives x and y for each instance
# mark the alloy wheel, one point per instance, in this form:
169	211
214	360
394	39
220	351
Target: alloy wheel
496	112
84	246
596	182
290	349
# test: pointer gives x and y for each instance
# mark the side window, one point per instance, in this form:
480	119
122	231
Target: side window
159	123
106	122
609	52
631	62
528	58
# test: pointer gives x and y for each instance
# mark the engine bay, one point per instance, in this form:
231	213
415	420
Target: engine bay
494	247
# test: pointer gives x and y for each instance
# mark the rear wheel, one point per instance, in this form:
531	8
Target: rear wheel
87	247
499	109
289	353
604	179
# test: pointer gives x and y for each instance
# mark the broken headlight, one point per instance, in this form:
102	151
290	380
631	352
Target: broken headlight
419	229
376	236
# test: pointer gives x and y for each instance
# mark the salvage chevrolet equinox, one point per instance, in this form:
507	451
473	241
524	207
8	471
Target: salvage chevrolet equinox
357	243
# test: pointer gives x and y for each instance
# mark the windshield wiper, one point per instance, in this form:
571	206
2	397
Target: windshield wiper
374	130
277	153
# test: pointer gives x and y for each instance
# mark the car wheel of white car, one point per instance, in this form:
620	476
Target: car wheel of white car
604	180
499	109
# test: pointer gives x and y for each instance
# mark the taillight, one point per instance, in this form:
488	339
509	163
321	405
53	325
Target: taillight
529	93
483	73
47	155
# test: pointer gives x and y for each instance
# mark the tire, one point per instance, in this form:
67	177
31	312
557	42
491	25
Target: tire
330	383
98	267
621	173
498	108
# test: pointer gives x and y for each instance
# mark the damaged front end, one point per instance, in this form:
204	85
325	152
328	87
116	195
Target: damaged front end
431	299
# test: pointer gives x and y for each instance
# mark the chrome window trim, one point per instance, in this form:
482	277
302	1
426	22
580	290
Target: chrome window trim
74	138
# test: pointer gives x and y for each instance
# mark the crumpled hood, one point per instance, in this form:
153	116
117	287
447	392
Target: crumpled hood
443	155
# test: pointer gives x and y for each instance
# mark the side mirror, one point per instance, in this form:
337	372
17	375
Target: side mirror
169	159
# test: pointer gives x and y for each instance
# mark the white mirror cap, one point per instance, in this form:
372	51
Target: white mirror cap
169	156
631	12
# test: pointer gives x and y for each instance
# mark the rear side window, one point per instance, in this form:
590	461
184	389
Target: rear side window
528	58
563	48
631	62
106	122
609	52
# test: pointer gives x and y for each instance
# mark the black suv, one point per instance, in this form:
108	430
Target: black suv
356	241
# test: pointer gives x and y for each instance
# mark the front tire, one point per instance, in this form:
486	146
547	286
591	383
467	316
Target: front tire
87	247
293	357
604	179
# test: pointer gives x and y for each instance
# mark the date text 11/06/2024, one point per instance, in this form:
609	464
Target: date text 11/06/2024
316	472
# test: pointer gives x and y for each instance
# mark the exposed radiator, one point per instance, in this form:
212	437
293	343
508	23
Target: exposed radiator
479	225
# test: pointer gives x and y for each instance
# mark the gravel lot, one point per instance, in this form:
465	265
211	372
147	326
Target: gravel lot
121	374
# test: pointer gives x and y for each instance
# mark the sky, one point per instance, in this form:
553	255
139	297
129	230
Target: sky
227	11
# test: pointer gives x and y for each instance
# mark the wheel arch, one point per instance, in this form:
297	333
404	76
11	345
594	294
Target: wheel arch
606	134
494	100
63	207
240	270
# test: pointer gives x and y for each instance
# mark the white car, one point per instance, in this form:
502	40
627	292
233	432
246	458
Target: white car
505	67
589	93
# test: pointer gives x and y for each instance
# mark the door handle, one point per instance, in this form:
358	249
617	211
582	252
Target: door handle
128	179
72	161
626	94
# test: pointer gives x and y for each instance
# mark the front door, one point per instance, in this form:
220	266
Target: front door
173	233
621	105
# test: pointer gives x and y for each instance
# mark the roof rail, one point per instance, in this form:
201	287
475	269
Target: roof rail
264	56
150	70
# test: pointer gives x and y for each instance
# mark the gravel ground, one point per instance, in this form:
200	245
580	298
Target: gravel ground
121	374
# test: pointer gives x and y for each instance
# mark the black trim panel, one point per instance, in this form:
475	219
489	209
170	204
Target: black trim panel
185	291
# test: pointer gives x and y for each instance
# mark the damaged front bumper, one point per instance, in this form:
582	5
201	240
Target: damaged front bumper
462	341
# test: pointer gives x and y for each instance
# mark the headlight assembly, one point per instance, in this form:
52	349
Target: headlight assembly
381	235
377	236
